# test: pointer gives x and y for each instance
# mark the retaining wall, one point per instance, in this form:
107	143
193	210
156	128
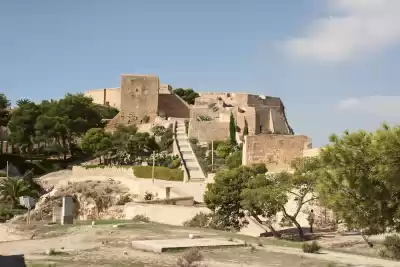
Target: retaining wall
167	214
106	171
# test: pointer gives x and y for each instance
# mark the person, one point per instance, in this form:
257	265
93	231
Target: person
311	218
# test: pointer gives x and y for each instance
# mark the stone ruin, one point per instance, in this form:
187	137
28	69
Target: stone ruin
142	99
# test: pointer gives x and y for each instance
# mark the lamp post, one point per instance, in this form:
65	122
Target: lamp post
154	163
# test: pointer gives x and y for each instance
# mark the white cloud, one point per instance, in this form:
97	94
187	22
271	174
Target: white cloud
355	27
383	106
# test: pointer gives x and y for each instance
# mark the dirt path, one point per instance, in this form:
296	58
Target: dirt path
336	257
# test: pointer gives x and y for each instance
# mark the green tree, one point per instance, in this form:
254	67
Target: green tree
106	112
224	196
13	188
265	196
4	110
359	179
232	130
188	95
246	128
96	141
22	124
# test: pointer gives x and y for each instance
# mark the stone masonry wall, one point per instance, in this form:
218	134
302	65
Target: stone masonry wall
139	98
172	106
112	96
207	131
276	151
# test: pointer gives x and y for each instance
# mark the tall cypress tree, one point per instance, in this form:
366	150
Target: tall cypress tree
232	130
246	128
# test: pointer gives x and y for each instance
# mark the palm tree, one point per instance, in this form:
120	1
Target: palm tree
13	188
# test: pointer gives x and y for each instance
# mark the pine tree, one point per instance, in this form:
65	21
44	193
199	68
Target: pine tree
232	131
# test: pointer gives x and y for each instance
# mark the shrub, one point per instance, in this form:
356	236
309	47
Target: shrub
3	174
158	130
234	160
190	258
176	163
391	247
193	141
312	247
200	220
162	173
145	119
141	218
259	168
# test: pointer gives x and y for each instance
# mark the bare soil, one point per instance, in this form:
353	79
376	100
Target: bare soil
105	245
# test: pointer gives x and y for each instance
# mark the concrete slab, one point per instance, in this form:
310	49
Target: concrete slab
171	244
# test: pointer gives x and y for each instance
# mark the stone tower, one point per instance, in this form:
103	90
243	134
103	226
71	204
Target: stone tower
139	98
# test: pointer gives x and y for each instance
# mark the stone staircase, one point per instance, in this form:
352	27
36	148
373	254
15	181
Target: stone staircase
195	172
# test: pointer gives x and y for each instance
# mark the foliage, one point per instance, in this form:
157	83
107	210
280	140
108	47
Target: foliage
223	150
267	196
232	130
141	218
188	95
145	119
96	141
4	110
158	130
224	196
12	188
246	128
163	160
391	247
359	178
200	220
106	112
22	124
234	160
312	247
176	163
54	125
167	139
191	258
161	173
3	174
204	118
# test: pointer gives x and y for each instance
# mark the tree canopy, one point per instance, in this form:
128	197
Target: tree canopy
188	95
4	110
359	178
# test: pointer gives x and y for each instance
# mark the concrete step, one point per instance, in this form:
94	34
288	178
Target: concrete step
186	152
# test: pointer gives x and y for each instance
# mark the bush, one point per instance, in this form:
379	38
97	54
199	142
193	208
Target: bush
145	119
3	174
176	163
312	247
234	160
162	173
190	258
391	247
200	220
259	168
158	130
141	218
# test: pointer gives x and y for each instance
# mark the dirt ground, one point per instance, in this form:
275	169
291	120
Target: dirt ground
105	245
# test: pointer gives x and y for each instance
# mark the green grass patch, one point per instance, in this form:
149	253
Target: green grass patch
162	173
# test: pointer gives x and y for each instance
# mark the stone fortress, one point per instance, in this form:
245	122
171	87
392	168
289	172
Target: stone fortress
141	99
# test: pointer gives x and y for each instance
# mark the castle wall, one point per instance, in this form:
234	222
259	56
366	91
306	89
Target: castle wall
172	106
207	131
111	96
165	89
276	151
139	98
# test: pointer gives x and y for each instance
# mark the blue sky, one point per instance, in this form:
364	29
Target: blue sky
334	63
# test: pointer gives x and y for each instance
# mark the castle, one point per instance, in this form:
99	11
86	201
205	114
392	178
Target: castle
142	99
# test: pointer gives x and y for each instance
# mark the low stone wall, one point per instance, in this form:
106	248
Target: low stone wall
207	131
80	171
167	214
